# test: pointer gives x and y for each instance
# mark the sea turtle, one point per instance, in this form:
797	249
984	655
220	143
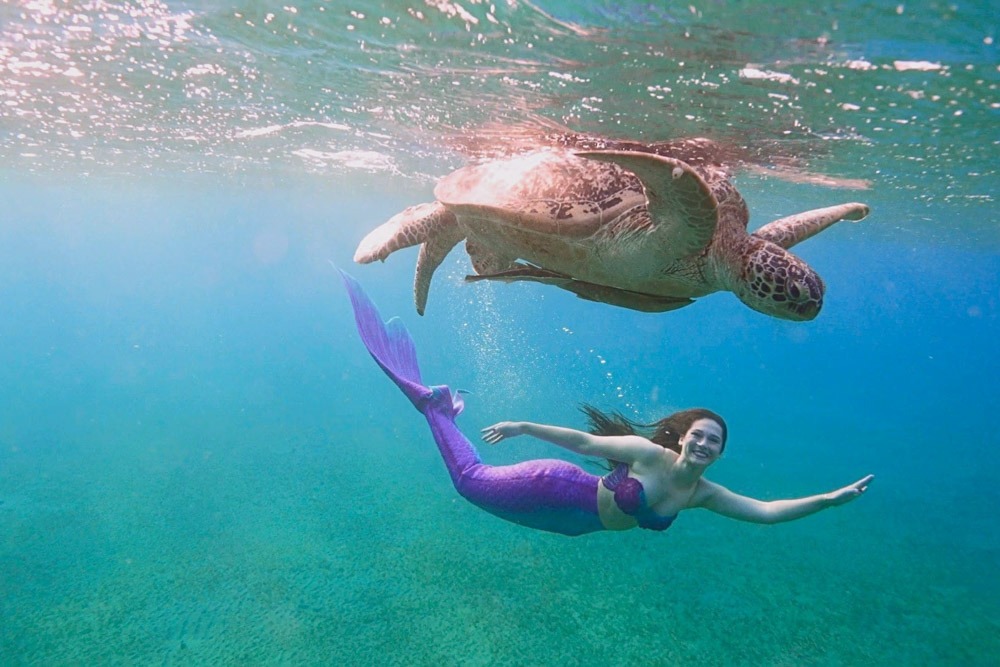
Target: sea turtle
640	228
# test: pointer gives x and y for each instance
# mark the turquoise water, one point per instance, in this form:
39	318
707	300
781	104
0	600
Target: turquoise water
200	465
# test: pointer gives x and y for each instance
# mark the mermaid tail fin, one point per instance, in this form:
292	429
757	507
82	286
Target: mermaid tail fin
393	350
389	343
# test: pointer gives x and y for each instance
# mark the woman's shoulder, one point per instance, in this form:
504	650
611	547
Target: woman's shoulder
652	455
704	492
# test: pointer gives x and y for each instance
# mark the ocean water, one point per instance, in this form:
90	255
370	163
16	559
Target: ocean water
200	465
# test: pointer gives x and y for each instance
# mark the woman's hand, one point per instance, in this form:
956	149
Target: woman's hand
501	430
851	491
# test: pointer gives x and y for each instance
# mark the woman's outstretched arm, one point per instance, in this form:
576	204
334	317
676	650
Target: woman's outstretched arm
625	448
722	501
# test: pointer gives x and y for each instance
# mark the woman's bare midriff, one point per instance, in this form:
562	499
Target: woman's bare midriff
612	518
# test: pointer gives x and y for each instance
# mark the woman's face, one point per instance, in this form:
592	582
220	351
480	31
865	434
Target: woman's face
702	444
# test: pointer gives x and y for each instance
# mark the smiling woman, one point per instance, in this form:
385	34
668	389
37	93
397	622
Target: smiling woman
653	479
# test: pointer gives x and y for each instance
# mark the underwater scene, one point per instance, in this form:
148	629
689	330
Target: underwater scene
201	464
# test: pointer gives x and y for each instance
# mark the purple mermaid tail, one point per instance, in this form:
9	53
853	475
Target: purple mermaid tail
547	494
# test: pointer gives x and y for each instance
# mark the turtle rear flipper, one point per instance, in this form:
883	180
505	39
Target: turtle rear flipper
445	236
431	225
407	228
647	303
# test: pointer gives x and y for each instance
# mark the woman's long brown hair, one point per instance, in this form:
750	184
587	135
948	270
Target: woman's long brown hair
666	432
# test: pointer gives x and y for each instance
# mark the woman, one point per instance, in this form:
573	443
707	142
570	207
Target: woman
652	480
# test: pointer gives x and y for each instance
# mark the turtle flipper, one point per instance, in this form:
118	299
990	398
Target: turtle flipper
623	298
445	236
408	228
647	303
786	232
431	225
681	204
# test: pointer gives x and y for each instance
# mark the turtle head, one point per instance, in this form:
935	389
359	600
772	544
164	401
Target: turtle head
777	283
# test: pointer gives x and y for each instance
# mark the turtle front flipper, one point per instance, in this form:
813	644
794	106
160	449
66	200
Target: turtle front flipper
683	209
431	225
786	232
647	303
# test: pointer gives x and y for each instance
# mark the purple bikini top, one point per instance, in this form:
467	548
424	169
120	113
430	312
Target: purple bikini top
630	497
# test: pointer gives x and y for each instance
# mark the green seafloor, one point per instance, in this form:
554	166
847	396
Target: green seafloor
199	464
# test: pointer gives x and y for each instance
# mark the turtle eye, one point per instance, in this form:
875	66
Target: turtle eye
795	289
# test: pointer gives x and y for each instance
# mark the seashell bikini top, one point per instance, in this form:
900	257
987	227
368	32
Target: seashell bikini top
630	497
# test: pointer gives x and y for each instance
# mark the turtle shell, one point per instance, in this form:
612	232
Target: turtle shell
549	192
